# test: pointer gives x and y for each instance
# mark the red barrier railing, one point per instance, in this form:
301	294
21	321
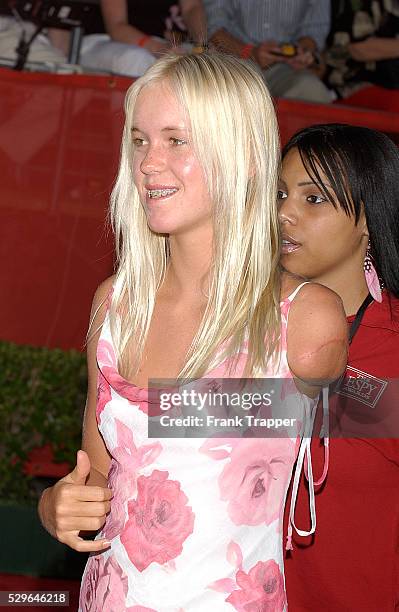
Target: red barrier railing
59	148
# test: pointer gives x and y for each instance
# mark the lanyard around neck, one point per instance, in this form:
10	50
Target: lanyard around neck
359	316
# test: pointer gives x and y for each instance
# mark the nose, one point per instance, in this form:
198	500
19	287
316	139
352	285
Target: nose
153	160
287	213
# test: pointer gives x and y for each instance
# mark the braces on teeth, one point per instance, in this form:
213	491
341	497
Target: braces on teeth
156	193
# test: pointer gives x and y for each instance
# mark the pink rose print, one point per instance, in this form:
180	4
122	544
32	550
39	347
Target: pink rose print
122	477
106	354
89	588
259	590
105	587
103	394
254	481
116	518
159	521
108	364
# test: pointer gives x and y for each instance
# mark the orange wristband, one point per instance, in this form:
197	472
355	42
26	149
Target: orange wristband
143	40
246	51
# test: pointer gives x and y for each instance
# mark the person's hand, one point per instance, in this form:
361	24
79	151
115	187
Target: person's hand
366	50
265	54
71	506
303	59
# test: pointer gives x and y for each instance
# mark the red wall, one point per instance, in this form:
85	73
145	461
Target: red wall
59	148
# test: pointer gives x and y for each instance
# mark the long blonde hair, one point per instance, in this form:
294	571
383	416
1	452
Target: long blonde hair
235	136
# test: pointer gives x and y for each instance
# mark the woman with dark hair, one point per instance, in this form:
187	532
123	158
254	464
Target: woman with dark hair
338	209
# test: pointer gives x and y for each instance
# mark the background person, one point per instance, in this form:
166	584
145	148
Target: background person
196	295
139	31
257	29
42	48
338	202
363	45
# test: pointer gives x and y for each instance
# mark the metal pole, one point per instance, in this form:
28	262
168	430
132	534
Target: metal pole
75	44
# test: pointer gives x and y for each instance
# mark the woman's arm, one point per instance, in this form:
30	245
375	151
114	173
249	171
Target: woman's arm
116	21
80	501
317	338
194	18
374	49
60	39
92	441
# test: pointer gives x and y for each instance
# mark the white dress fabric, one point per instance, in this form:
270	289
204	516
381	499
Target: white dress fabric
195	523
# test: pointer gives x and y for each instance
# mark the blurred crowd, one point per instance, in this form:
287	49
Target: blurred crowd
316	50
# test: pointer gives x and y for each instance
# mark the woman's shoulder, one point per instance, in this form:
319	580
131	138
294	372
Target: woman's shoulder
103	291
308	294
317	316
317	334
100	305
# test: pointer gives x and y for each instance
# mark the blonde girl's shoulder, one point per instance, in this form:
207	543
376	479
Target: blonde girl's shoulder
99	306
103	290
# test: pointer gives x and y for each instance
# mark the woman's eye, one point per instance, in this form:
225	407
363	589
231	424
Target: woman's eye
281	195
138	142
177	141
316	199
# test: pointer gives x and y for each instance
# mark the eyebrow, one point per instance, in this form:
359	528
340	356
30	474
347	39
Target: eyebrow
165	129
317	183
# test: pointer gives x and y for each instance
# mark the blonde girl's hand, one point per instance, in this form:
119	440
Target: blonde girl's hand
71	506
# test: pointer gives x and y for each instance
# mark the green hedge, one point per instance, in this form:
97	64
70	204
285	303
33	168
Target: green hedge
42	397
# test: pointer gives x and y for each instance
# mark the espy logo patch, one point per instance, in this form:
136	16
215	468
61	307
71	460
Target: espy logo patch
362	387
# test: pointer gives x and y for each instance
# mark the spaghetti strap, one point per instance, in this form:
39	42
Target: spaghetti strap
293	295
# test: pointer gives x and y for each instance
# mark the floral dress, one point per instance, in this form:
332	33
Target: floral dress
195	524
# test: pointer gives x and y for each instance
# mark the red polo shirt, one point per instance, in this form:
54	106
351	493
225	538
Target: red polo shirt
351	564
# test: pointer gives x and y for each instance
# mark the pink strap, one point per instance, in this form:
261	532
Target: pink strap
323	476
326	441
289	545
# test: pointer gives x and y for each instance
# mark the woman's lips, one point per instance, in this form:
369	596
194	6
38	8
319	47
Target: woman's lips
289	245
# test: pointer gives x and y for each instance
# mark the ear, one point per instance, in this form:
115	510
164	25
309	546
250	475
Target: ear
362	224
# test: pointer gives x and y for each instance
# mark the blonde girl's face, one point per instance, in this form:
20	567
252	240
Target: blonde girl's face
168	176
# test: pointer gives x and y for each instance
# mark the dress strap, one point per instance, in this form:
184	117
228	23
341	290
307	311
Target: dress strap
293	295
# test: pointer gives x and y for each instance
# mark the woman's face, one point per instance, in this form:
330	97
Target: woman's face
319	241
167	173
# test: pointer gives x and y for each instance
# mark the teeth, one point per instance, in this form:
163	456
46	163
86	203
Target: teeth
158	193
